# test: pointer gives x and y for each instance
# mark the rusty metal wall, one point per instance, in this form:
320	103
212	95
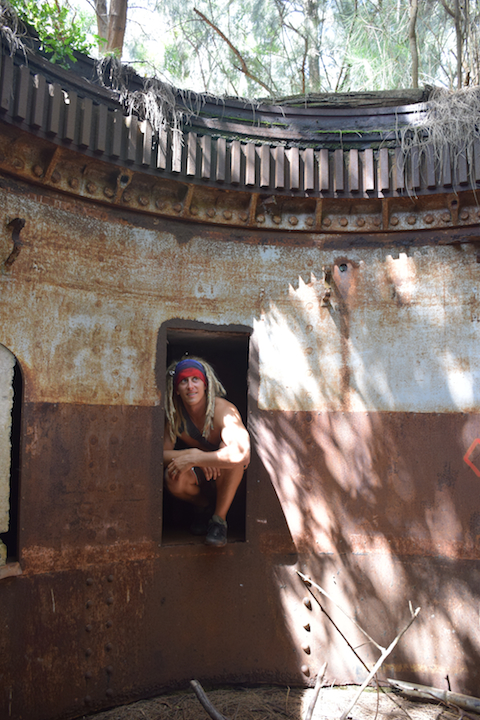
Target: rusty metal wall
363	410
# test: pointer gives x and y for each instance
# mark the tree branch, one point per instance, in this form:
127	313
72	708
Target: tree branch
236	52
412	37
205	702
447	9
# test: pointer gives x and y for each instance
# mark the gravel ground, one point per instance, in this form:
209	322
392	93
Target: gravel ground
278	703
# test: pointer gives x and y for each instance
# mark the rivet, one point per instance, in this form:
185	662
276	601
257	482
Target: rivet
360	222
293	220
429	219
109	669
37	170
88	652
464	215
377	221
307	602
88	675
109	693
260	218
160	204
18	163
327	222
211	212
108	647
88	604
110	578
108	192
227	214
127	196
89	581
110	601
143	200
394	220
343	221
243	216
56	177
305	670
88	628
445	217
91	187
193	210
308	351
177	207
306	648
310	221
73	182
309	328
277	219
411	220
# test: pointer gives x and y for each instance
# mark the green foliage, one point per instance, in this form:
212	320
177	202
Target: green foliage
60	29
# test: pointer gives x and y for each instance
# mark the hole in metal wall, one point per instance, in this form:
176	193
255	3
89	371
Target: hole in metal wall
227	352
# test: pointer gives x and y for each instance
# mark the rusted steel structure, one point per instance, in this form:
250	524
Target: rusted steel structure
334	284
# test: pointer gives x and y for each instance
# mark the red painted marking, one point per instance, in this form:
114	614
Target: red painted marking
467	459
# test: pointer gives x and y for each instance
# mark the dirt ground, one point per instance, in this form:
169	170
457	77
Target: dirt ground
279	703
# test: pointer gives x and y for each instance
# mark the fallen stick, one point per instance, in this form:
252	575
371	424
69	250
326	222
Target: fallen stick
308	581
379	662
467	702
316	691
205	702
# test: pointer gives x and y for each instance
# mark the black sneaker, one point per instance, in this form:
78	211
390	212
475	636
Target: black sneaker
217	534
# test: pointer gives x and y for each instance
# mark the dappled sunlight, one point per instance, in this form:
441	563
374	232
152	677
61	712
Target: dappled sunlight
460	382
402	274
362	430
443	525
302	334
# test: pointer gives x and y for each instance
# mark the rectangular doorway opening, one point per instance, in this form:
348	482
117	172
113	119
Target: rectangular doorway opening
227	352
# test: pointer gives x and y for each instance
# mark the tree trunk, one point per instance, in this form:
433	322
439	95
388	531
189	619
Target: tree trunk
117	20
312	24
102	22
458	33
412	37
111	23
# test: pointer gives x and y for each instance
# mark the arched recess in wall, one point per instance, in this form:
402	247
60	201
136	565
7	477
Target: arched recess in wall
226	348
11	389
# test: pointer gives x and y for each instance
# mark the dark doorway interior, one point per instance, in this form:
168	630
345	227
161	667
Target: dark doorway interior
227	352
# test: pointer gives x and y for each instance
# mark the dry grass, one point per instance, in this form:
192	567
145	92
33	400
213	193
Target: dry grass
449	127
277	703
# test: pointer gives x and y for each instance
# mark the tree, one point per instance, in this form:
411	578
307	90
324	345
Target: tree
111	25
61	29
253	48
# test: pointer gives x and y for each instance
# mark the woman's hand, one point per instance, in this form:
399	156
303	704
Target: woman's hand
211	473
183	462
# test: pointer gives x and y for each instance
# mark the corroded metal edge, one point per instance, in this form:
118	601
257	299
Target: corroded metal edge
67	170
225	154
